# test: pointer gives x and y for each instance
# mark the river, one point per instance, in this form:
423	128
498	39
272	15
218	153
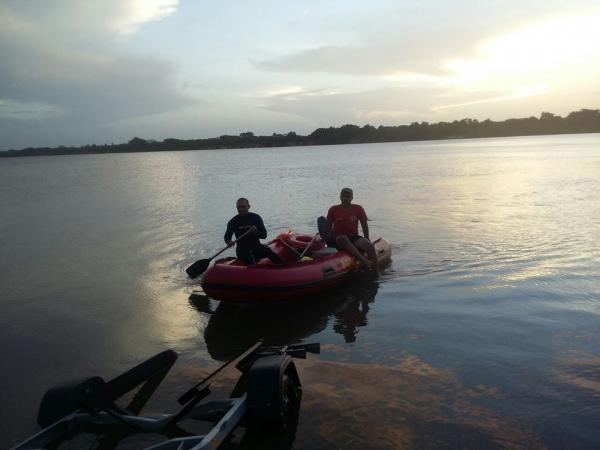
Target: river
484	332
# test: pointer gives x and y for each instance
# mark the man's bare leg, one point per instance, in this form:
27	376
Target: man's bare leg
365	246
344	243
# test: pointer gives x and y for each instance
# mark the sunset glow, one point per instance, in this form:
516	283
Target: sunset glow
106	72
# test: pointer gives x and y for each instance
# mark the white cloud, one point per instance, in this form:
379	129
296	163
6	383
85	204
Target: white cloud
380	115
135	13
281	90
520	93
386	105
295	93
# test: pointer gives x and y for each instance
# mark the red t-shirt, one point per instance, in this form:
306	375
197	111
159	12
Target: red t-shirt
345	220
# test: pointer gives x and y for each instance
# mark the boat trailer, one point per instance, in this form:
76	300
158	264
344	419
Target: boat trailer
267	394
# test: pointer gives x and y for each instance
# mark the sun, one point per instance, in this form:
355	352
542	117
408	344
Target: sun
542	51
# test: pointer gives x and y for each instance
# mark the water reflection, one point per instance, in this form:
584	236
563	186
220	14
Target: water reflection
233	327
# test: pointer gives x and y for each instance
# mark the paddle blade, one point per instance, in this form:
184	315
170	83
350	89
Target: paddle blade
198	268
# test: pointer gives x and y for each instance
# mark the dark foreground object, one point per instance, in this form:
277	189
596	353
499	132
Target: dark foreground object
267	394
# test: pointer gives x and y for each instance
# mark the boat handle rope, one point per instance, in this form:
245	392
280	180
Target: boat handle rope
308	246
289	246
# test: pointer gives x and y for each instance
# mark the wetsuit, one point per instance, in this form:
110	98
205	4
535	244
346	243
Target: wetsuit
249	249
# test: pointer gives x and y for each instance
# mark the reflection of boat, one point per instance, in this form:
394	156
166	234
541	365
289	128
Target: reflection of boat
232	326
232	280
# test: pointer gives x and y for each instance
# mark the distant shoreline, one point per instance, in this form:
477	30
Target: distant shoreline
578	122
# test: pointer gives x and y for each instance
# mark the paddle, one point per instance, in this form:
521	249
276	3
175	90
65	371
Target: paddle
201	265
308	246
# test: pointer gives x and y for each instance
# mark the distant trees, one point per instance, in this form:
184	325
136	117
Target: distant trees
582	121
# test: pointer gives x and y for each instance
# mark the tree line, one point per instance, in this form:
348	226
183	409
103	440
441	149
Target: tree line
582	121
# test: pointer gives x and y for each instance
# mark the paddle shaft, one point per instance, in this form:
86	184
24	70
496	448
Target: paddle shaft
201	265
308	246
221	251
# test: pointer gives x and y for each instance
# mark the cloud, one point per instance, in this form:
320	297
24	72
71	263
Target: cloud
398	105
138	12
487	53
400	42
72	19
510	72
80	83
384	59
88	85
326	107
28	110
470	98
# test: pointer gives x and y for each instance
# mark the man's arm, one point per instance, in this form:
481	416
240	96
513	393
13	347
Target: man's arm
365	227
229	233
260	226
363	223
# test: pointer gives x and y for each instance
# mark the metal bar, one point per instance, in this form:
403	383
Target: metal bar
193	391
215	437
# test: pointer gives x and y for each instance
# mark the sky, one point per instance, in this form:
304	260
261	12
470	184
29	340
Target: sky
105	71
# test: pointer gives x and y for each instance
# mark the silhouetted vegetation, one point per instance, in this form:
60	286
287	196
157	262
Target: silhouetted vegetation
583	121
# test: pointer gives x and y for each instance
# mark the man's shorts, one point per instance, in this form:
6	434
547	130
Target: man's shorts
353	238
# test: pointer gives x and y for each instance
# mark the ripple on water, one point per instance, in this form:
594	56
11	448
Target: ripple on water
539	264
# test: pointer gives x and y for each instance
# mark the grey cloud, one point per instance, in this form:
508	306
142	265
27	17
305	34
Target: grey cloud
88	93
414	37
350	60
339	109
386	106
409	38
71	88
88	85
379	56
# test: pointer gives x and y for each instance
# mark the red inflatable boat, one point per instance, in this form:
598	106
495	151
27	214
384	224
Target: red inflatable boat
231	280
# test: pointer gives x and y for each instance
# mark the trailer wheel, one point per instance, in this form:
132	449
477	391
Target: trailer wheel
279	431
290	399
273	392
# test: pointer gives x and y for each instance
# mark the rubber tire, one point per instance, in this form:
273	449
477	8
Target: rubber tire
289	399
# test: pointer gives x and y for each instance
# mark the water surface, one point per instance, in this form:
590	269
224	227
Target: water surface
482	333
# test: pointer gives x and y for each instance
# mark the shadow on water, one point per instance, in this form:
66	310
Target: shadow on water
232	327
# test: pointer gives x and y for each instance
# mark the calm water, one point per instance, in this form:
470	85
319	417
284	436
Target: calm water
483	333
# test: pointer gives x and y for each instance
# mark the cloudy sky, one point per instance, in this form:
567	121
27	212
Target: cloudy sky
74	72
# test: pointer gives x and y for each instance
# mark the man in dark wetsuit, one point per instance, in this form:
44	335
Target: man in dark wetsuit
249	249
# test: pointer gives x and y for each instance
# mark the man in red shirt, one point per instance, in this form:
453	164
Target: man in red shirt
344	219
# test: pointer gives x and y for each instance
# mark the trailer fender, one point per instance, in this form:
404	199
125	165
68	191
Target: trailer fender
66	398
273	387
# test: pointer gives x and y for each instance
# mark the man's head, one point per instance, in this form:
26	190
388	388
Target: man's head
346	196
243	205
